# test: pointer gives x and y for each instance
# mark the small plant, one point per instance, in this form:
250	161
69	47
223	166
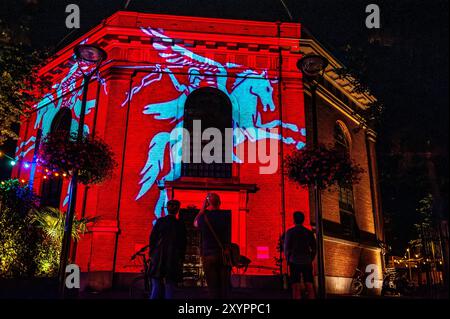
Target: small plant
50	222
30	236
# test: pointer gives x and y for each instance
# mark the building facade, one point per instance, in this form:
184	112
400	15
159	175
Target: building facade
167	79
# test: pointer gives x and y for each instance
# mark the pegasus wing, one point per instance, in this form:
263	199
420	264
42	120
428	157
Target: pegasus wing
155	162
178	55
166	110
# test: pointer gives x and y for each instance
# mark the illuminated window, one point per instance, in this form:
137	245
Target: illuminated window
52	187
213	109
346	196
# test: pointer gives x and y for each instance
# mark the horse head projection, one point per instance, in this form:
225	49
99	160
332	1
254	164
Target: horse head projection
251	91
258	85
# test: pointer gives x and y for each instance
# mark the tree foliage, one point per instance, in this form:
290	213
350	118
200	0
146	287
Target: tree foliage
20	84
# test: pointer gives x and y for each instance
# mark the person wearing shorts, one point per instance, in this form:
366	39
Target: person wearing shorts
300	251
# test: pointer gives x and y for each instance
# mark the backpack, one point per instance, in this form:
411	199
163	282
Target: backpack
230	252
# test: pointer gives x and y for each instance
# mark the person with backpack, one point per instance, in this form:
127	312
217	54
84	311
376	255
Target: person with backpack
215	232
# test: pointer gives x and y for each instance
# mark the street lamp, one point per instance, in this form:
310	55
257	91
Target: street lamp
89	58
409	265
312	67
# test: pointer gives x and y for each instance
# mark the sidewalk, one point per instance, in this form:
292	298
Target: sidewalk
196	294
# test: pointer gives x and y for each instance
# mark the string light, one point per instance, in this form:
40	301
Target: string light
27	164
14	161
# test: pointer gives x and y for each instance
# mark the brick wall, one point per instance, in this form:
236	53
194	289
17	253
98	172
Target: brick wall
342	258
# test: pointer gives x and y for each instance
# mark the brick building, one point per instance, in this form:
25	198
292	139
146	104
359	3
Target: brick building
162	73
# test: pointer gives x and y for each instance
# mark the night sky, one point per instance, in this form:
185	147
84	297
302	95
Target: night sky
408	72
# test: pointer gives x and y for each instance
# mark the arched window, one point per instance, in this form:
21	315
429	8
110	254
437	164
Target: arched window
342	136
62	121
207	108
346	197
52	187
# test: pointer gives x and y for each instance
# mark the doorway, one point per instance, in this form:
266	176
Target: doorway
52	187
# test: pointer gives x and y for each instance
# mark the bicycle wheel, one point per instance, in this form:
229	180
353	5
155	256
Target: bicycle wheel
357	287
138	288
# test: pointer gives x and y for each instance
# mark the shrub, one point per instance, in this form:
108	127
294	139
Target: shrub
30	236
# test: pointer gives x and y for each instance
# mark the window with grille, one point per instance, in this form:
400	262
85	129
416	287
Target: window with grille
346	196
213	109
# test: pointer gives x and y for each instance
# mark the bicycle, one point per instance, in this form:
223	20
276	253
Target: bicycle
396	283
140	287
357	285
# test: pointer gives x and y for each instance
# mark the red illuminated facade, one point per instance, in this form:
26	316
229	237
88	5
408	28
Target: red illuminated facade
156	65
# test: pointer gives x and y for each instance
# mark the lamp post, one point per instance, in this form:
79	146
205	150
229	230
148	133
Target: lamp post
312	67
89	58
409	264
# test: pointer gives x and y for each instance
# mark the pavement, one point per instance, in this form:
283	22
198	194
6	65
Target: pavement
45	289
194	294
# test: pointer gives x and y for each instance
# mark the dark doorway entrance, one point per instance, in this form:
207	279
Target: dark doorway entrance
52	187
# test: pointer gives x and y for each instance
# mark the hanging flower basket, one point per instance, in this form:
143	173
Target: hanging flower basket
325	165
92	157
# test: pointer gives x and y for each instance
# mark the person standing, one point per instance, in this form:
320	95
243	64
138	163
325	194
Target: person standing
167	251
300	251
214	227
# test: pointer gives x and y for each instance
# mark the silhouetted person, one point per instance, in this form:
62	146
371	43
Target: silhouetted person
300	250
167	250
216	272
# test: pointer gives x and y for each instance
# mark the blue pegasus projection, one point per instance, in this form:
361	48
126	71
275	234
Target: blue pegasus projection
67	93
250	89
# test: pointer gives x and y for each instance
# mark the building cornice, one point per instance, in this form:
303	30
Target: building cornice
343	108
362	100
124	27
